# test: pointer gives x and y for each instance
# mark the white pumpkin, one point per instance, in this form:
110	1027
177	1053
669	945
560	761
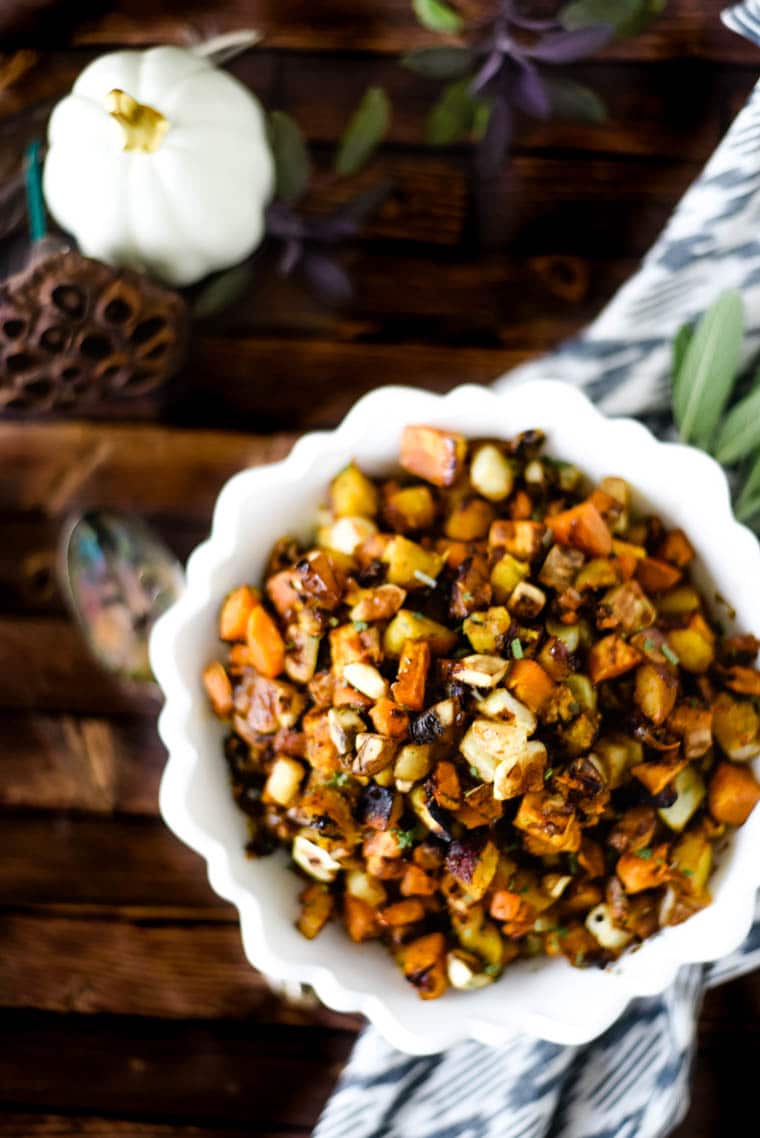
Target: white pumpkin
158	160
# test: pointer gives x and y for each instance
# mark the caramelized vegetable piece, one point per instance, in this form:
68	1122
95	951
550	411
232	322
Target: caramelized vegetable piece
656	692
409	626
744	681
352	493
237	607
528	681
658	773
611	657
676	548
317	904
390	719
736	727
523	539
694	645
733	794
218	689
409	508
436	456
413	667
361	919
582	527
657	576
411	566
423	962
645	869
265	645
469	519
694	725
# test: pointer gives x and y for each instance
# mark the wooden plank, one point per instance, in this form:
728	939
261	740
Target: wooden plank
56	468
19	1125
45	666
67	762
159	1070
685	29
191	970
101	861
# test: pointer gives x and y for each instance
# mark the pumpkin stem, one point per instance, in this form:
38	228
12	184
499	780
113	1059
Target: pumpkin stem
144	127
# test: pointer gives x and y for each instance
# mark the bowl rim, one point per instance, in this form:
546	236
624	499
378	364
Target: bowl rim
729	917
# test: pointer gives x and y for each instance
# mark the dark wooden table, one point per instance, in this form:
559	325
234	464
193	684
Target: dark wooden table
128	1006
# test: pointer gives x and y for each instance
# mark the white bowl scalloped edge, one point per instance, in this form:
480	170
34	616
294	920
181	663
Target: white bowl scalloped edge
545	998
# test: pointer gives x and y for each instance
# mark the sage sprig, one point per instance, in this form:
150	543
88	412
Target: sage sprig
706	371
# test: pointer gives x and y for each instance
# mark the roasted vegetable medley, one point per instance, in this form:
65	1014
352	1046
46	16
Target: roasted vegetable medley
488	713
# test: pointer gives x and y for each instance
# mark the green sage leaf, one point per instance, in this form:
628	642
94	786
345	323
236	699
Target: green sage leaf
574	101
365	131
437	16
683	338
222	291
708	372
291	158
439	62
627	17
454	114
739	434
747	505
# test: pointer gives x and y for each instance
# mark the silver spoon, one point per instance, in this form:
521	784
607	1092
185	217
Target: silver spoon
118	577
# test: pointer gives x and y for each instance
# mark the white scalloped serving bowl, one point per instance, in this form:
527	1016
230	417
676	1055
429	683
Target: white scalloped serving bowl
545	998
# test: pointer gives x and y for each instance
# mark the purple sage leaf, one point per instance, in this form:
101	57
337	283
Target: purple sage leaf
528	91
494	145
569	47
329	280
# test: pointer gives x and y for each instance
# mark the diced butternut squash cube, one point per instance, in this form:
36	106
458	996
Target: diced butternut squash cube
414	663
416	882
237	607
694	725
529	683
659	773
352	493
266	647
432	454
611	657
218	689
645	869
676	548
733	794
388	718
657	576
361	919
582	527
423	963
744	681
523	539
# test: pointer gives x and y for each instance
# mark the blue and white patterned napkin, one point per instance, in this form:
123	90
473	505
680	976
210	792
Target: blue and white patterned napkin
632	1082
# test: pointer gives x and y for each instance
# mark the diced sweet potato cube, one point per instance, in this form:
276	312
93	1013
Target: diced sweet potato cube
655	692
318	579
417	883
237	607
638	872
321	752
611	657
658	774
349	645
657	576
218	689
521	506
634	830
360	918
317	904
511	907
591	858
529	683
550	825
480	808
413	667
582	527
733	793
390	719
445	786
402	913
437	456
282	591
676	548
266	647
424	964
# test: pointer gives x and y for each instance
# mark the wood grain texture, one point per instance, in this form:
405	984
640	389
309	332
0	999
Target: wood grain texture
129	1010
